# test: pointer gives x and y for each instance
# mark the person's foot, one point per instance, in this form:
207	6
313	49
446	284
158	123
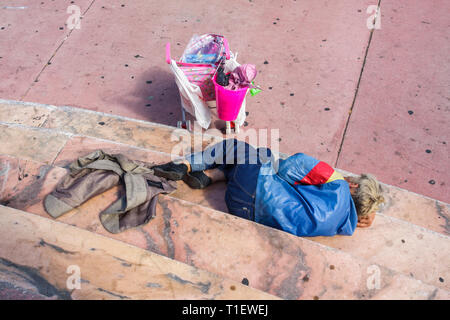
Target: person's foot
171	171
197	180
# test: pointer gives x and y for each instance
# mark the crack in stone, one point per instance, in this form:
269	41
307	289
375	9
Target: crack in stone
167	214
150	243
42	243
113	294
203	287
441	213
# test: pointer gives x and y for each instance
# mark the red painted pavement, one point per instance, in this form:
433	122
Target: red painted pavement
309	55
312	50
399	129
30	33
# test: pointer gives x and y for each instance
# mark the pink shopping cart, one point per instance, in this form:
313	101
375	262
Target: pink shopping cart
194	74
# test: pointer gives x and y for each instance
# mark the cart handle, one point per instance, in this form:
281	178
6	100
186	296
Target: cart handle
168	52
227	48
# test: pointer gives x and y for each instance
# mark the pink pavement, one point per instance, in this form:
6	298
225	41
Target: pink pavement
310	56
399	128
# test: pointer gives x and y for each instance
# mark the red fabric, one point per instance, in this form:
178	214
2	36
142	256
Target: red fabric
318	175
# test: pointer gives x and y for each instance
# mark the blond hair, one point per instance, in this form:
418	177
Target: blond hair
369	194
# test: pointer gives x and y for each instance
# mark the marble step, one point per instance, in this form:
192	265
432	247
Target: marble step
45	258
264	258
416	254
68	124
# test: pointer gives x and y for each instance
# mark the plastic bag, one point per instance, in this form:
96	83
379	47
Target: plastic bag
206	48
191	97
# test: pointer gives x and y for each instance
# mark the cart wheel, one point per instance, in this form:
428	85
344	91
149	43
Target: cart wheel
184	125
228	127
236	128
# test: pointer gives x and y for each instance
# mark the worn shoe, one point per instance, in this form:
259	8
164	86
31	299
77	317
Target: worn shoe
197	180
171	171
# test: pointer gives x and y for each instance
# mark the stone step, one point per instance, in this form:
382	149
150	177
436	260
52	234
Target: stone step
44	257
382	242
68	122
82	122
264	258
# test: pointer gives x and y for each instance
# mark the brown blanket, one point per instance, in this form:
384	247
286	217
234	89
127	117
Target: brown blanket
97	172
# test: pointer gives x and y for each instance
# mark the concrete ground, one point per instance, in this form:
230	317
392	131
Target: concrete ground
363	101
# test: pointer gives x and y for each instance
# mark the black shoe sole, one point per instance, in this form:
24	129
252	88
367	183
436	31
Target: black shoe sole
193	182
171	175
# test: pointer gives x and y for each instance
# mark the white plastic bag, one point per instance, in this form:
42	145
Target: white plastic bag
191	97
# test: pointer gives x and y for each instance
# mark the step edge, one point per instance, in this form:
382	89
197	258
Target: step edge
73	135
77	109
344	172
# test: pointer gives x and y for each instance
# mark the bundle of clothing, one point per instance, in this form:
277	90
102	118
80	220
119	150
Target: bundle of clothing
241	77
97	172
